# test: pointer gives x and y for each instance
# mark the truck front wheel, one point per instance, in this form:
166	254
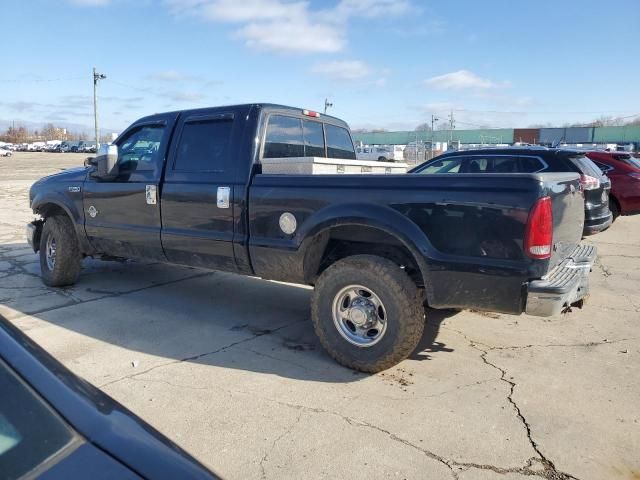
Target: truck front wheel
367	313
60	258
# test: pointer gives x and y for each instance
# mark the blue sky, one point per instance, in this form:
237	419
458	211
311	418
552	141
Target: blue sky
382	63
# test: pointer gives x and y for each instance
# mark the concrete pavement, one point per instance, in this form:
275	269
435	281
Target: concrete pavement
229	368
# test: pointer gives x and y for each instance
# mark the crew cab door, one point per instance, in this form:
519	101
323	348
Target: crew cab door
198	199
122	215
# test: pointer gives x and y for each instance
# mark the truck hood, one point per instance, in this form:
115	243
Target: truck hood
74	174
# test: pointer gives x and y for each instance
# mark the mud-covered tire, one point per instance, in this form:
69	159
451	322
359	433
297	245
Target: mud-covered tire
68	259
402	300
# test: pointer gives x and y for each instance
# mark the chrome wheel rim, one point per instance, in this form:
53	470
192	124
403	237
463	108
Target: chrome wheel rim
359	315
50	252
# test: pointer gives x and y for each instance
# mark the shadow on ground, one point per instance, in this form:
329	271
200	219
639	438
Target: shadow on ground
183	315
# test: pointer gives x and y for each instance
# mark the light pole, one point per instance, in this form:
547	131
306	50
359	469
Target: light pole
434	119
96	77
327	105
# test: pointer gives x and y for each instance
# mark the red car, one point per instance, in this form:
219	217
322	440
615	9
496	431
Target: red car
623	169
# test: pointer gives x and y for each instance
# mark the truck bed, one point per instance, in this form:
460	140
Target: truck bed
468	228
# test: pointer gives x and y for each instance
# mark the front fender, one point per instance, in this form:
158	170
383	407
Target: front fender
43	199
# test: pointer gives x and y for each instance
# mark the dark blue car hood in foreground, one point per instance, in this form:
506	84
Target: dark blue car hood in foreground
103	422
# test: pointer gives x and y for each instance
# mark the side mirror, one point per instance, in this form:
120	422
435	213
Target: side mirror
106	162
90	162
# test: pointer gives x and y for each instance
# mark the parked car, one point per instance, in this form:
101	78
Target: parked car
375	247
5	153
382	153
624	171
55	425
593	182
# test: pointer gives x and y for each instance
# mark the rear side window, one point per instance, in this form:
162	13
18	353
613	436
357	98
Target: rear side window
586	166
474	165
531	165
339	144
313	139
204	146
504	165
284	137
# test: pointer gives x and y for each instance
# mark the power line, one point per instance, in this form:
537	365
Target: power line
37	80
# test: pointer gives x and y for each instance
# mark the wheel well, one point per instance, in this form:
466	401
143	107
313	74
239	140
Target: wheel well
345	241
615	200
50	210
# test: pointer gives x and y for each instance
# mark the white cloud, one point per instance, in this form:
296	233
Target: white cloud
343	70
91	3
372	8
461	80
170	76
184	96
291	36
288	26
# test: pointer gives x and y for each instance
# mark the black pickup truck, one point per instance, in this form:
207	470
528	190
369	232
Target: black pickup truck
188	188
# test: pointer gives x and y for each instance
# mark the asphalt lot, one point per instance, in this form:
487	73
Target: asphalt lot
229	368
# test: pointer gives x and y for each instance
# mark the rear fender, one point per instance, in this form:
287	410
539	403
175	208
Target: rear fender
316	228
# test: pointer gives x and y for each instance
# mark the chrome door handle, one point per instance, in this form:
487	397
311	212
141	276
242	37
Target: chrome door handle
223	197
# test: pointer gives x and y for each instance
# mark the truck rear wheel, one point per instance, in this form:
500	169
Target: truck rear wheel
60	258
367	313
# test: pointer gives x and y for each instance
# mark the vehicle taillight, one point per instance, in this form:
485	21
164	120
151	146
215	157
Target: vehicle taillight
589	183
538	235
310	113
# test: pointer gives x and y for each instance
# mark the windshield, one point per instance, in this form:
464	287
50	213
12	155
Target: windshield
30	432
628	159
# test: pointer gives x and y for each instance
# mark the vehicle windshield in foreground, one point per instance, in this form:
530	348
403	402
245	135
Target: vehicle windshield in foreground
31	433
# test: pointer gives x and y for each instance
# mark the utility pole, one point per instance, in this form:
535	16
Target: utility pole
433	120
96	77
452	125
327	105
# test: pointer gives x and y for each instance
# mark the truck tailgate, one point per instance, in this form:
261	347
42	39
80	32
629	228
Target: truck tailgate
567	200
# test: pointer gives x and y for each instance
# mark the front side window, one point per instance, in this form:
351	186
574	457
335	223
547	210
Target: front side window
284	137
339	144
140	150
204	146
446	165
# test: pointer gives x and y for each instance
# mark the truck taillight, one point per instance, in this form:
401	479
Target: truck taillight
589	183
310	113
538	235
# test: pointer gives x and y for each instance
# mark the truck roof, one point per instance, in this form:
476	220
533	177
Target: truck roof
262	106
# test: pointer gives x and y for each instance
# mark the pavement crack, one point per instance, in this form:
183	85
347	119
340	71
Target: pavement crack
265	457
110	295
549	470
200	355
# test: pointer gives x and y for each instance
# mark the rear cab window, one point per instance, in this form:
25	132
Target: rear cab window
289	136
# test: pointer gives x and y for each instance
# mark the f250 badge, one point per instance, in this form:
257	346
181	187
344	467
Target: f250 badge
74	189
92	211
